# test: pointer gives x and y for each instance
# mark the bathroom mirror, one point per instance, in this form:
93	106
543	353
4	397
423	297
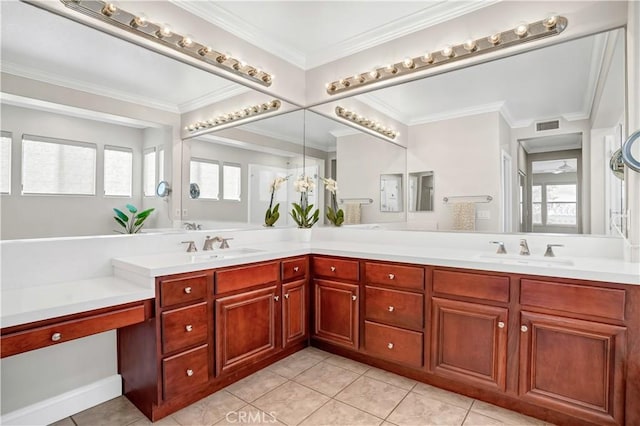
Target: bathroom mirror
63	81
474	129
421	192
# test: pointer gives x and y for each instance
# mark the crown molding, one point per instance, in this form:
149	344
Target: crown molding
218	95
240	28
344	132
377	103
69	83
245	145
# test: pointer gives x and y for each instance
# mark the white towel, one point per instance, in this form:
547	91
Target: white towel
352	213
464	216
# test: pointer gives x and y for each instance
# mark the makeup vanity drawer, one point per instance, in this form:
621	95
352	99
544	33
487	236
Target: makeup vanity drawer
494	288
185	371
242	277
401	308
294	269
394	344
183	288
342	269
184	327
410	277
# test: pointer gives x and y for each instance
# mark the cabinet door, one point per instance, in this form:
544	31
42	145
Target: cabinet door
469	342
294	312
336	312
246	328
573	366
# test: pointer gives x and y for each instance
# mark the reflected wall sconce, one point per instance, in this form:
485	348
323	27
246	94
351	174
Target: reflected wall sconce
522	33
249	111
365	122
162	34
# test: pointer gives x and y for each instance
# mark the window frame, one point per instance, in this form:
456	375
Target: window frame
8	135
154	184
233	165
106	148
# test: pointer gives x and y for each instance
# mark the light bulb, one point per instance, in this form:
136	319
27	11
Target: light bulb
359	78
391	69
550	22
331	87
186	41
374	74
521	30
408	63
109	9
345	83
221	58
470	45
139	21
494	39
427	58
448	52
204	51
164	31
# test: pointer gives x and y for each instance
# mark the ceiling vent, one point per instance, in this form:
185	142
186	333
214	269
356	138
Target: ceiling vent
547	125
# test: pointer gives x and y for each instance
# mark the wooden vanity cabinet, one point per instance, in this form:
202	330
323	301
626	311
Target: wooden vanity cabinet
295	301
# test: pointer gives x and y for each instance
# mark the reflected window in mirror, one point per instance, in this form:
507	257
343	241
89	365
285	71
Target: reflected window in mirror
160	164
206	174
58	167
421	191
231	181
391	192
149	172
118	171
5	162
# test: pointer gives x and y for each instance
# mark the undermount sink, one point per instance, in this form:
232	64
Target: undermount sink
516	259
221	254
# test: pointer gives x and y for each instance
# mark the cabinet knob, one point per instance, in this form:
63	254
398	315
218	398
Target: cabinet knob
354	297
56	336
296	268
276	298
189	328
187	290
333	269
501	324
286	296
524	328
390	345
189	372
391	308
392	277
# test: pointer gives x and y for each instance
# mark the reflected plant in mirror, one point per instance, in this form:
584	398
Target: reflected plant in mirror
133	224
272	215
303	213
334	214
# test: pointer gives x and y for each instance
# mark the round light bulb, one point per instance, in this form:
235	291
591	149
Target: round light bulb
408	63
164	31
374	74
109	9
427	58
186	41
448	52
521	30
391	69
550	22
494	39
204	51
470	45
139	21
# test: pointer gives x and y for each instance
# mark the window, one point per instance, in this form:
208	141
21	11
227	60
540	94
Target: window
149	172
5	163
536	202
561	204
160	164
56	166
232	181
206	174
118	171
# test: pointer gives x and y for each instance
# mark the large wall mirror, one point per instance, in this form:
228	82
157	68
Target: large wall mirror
520	144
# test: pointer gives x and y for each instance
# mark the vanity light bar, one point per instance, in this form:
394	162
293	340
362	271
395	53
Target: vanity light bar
523	33
364	122
164	35
249	111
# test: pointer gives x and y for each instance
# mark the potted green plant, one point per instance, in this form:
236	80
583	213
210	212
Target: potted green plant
272	215
133	224
334	214
303	213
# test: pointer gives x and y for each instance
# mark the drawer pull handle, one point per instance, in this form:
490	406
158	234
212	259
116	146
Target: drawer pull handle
187	290
333	269
189	372
286	296
276	298
500	324
56	336
390	345
391	308
524	328
296	268
189	328
354	297
392	277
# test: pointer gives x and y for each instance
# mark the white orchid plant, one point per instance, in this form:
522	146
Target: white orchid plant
303	213
272	215
334	214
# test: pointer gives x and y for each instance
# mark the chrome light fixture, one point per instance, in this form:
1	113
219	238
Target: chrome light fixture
366	123
247	112
162	34
522	33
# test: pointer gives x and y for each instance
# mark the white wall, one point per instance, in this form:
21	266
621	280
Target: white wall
464	154
361	160
41	216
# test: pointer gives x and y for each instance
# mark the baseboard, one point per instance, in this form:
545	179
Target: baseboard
64	405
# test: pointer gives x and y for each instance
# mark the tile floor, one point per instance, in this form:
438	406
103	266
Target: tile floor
312	387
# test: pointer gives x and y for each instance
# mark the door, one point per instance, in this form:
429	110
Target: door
469	342
294	312
336	313
573	366
246	328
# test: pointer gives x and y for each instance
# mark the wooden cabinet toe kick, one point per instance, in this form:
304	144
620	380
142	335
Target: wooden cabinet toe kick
36	335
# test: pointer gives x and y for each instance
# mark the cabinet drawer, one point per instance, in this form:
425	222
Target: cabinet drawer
183	288
394	344
294	269
185	371
601	302
246	276
477	286
335	268
411	277
400	308
70	329
184	327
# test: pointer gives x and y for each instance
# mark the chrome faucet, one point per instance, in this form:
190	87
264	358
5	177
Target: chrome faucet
191	247
524	248
549	252
224	243
191	226
501	249
208	242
